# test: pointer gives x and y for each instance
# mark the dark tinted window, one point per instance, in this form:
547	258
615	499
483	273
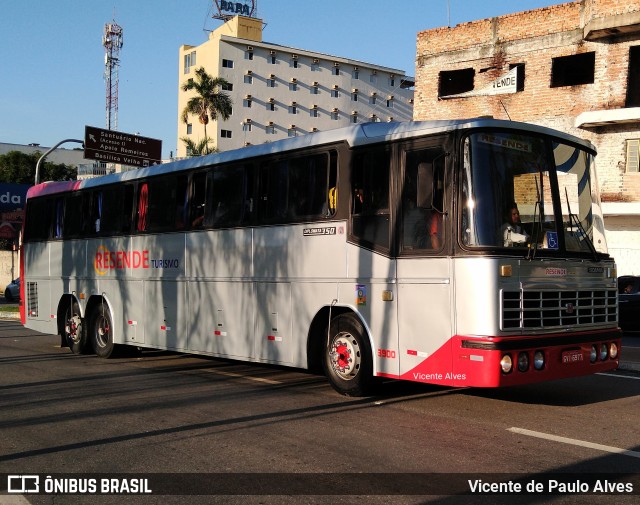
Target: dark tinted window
296	189
370	197
162	204
230	197
38	219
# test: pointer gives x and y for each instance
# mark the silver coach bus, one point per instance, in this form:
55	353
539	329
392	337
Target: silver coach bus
460	253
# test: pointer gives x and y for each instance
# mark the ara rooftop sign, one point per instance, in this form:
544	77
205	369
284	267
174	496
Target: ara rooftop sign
228	9
110	146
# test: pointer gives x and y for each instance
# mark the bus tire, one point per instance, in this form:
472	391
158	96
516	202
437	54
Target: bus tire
101	332
347	358
73	330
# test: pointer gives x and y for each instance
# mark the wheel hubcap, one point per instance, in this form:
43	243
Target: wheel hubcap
102	332
73	328
344	355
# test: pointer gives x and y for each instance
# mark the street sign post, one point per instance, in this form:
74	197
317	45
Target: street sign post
112	146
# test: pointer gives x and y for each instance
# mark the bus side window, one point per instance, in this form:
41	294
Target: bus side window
198	199
370	198
143	204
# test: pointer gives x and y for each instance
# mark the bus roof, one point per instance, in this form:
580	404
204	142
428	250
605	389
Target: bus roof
356	135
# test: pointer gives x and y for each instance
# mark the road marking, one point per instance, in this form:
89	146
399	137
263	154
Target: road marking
15	499
242	376
619	376
572	441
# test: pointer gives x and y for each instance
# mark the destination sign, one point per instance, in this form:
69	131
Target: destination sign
110	146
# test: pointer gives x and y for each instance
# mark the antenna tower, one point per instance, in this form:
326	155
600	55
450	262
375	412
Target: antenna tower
112	42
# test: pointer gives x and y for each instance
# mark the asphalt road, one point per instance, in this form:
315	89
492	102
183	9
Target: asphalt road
214	421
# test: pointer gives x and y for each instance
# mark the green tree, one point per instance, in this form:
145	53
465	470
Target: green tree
20	168
198	148
210	101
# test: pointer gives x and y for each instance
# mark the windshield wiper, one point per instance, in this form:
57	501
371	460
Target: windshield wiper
537	225
574	221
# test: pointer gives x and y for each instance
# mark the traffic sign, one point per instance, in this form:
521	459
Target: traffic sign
110	146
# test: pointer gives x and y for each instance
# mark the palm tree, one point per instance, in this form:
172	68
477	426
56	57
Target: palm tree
198	148
210	102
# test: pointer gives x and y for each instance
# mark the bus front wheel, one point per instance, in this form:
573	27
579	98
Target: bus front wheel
101	329
73	332
347	357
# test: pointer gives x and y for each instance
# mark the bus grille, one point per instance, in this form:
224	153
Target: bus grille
32	299
557	309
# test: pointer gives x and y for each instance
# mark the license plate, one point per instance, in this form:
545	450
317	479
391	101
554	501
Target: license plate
569	357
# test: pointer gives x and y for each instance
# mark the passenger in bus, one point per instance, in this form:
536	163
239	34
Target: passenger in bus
435	229
513	234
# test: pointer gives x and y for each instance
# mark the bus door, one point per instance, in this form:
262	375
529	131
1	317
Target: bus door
424	270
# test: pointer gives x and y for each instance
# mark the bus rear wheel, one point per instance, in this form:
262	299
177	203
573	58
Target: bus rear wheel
347	357
73	331
101	331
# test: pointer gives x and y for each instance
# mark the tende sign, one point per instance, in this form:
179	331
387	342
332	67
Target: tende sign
112	146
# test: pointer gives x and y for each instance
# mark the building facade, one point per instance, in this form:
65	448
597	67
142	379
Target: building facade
281	92
574	67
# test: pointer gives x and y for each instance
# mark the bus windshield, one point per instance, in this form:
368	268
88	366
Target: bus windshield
525	192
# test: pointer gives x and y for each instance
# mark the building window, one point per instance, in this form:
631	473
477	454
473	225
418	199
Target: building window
294	63
520	82
392	82
225	134
227	87
354	117
293	109
272	59
227	63
373	99
248	79
390	103
189	61
270	129
355	74
313	112
573	70
633	156
453	82
247	102
354	96
633	81
292	132
315	66
373	78
271	83
271	105
335	93
246	127
189	128
336	70
293	86
248	55
314	90
334	115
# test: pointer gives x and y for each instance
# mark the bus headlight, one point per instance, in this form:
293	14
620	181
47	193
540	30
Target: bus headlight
538	360
594	354
523	362
506	364
613	350
604	352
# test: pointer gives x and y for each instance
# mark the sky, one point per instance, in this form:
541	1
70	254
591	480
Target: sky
52	58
